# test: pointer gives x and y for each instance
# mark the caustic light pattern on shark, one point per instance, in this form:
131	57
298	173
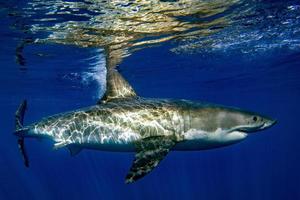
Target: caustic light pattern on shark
122	121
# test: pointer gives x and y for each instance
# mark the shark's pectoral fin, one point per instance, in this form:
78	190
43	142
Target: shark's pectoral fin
150	151
74	149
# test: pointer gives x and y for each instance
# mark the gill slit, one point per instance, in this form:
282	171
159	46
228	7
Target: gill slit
189	120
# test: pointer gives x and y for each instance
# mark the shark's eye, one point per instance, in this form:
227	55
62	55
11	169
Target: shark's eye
255	118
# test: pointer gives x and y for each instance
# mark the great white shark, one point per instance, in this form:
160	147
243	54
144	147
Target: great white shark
125	122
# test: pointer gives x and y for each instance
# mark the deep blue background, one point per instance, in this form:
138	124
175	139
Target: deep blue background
264	166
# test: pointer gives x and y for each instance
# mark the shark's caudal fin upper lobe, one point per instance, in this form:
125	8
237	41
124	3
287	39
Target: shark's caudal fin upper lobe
19	130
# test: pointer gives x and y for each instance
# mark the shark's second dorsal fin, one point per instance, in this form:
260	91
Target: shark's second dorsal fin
116	86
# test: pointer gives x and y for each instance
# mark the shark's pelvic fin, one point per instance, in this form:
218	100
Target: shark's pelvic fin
150	151
60	144
116	86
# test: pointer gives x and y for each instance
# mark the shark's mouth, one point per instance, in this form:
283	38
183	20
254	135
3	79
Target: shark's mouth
254	128
249	129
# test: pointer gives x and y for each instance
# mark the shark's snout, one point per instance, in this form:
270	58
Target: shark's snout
255	123
264	124
268	123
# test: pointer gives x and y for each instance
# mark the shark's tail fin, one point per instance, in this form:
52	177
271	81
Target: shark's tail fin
19	129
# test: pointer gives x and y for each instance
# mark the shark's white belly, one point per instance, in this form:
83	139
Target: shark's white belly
200	140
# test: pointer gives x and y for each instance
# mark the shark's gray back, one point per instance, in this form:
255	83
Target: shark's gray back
119	121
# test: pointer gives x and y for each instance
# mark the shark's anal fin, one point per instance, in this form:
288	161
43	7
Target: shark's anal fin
116	86
74	149
150	151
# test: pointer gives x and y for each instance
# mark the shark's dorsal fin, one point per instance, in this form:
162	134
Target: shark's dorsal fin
149	152
116	86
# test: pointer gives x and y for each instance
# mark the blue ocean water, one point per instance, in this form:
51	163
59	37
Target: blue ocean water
247	55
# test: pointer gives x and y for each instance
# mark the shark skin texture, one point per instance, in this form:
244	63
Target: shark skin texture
125	122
